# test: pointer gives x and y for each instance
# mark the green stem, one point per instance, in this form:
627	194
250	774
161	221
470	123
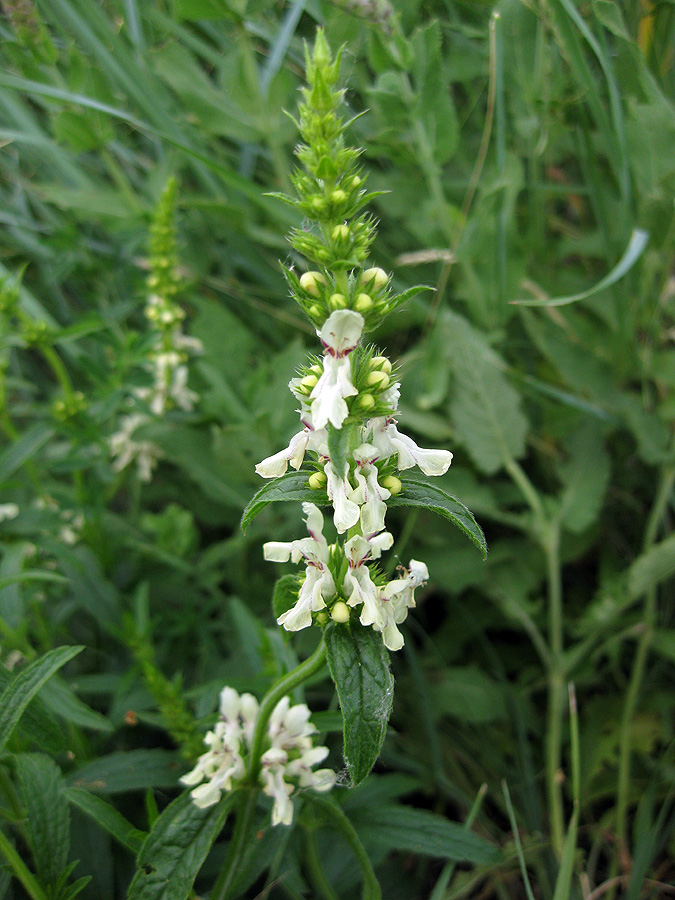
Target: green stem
21	870
658	509
287	684
555	689
371	887
238	844
527	488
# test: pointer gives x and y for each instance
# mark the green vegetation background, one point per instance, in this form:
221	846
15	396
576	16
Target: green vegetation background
520	151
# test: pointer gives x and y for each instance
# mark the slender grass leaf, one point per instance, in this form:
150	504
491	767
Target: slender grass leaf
637	243
175	849
654	566
359	665
26	684
291	487
425	833
563	884
112	821
24	449
48	814
128	771
425	495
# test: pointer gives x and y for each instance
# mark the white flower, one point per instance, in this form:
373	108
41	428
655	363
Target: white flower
218	767
369	494
318	582
396	598
358	585
339	490
8	511
273	770
388	440
340	334
124	449
307	439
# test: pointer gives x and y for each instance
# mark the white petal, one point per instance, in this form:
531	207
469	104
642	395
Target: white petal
338	487
278	551
276	465
328	394
341	331
431	462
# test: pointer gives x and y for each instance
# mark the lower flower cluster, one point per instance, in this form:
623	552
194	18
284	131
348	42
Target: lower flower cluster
287	763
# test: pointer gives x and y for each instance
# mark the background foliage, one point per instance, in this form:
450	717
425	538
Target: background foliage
521	146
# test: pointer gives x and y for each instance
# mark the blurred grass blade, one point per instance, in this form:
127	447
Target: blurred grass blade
637	243
516	838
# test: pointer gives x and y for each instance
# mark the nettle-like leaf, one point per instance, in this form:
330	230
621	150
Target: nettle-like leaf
586	476
48	814
173	852
426	495
359	665
285	594
289	488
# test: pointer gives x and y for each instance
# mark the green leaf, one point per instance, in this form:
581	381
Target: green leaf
63	701
112	821
637	243
469	694
359	665
129	770
25	686
175	849
291	487
48	815
23	449
285	594
429	496
654	566
338	447
419	831
586	476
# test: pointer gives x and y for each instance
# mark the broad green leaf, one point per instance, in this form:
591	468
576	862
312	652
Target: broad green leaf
359	665
426	495
23	449
112	821
586	476
26	684
654	566
468	694
637	243
291	487
38	725
48	815
425	833
128	771
485	408
175	849
285	594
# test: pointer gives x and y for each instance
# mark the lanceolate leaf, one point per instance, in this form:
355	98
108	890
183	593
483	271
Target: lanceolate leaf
107	817
25	686
291	487
420	831
429	496
359	665
175	849
48	815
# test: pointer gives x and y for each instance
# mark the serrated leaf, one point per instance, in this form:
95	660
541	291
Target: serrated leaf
285	594
175	849
359	665
291	487
424	495
586	476
128	771
112	821
48	815
419	831
26	684
398	299
654	566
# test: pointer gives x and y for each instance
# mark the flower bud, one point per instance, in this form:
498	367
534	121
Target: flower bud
340	612
309	381
310	282
321	618
314	311
338	301
392	484
366	401
363	302
340	233
318	204
377	276
380	362
317	369
338	196
379	380
355	182
317	480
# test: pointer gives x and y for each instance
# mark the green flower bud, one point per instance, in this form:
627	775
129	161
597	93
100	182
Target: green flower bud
310	380
338	301
318	203
340	233
338	196
314	311
317	369
366	401
310	282
380	362
363	302
340	612
355	182
317	480
378	379
378	277
392	484
322	618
